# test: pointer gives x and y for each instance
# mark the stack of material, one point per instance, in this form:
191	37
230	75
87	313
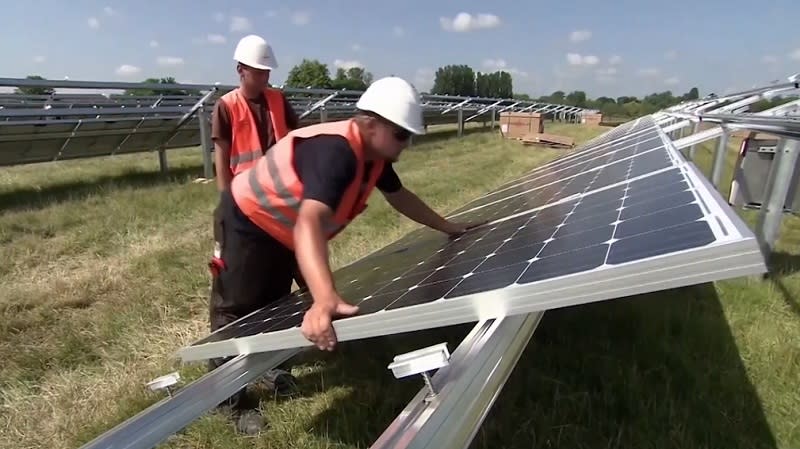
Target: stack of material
528	127
593	119
550	140
516	125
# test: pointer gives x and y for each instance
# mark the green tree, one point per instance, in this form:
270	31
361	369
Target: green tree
309	73
157	92
354	78
34	90
576	98
454	80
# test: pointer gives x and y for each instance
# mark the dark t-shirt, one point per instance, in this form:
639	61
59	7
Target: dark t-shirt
326	166
221	121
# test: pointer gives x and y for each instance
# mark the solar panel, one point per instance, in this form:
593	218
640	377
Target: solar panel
625	215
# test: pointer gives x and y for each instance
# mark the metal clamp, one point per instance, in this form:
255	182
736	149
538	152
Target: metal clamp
421	361
165	382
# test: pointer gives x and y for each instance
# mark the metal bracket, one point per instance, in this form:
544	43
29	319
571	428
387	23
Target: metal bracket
165	382
421	361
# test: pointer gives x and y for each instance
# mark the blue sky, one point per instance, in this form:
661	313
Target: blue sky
622	47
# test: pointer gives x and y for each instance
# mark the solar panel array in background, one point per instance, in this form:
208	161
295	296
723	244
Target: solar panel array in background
619	200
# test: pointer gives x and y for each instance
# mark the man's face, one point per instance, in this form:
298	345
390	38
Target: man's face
388	140
252	77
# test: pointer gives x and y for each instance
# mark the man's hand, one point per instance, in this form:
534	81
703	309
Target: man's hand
456	228
317	326
408	204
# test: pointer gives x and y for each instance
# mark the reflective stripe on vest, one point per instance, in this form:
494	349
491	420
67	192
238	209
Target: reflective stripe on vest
245	141
269	194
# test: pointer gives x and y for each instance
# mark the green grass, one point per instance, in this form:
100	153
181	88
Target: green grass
104	279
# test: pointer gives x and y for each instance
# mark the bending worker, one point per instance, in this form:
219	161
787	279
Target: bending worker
307	188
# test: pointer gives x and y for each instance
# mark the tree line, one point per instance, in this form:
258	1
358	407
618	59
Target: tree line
455	80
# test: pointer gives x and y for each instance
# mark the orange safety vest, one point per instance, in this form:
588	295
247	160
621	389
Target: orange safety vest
245	144
270	192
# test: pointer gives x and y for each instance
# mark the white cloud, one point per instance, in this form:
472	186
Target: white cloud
271	14
154	44
649	71
580	35
671	55
608	71
673	80
345	64
355	47
240	24
614	60
93	23
216	38
577	59
398	31
169	60
109	11
301	18
495	65
128	70
795	55
464	22
769	59
39	59
219	17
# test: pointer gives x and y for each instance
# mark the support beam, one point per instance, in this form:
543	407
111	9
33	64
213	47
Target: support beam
156	423
465	389
778	183
206	145
719	158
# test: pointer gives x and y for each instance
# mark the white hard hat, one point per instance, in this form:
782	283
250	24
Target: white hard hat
255	52
396	100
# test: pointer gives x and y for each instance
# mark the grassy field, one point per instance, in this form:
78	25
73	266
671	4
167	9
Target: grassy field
104	279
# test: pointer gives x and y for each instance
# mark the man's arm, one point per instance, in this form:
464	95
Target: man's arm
410	205
326	166
222	161
311	249
221	136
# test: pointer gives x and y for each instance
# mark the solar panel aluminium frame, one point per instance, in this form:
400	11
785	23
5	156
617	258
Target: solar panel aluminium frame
477	370
735	253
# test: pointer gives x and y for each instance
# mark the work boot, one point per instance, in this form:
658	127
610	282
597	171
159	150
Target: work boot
279	382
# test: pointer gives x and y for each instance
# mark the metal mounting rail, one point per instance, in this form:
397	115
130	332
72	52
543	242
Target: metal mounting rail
156	423
465	389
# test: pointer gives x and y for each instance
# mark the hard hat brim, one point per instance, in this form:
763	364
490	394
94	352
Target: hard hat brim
258	66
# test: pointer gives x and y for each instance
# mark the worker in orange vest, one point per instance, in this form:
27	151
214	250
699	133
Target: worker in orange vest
245	123
306	189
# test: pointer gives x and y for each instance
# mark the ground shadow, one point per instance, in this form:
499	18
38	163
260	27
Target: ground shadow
656	371
782	265
33	198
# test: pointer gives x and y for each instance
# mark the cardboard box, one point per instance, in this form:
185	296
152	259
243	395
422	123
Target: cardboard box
593	119
515	125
